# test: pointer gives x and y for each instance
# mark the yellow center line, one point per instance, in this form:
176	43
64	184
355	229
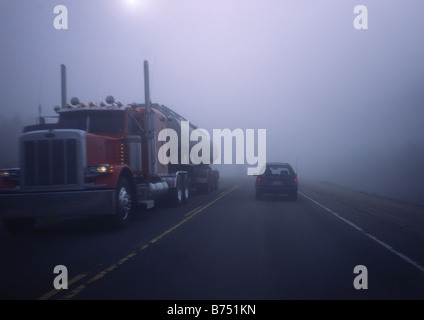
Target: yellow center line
101	274
200	208
190	212
193	213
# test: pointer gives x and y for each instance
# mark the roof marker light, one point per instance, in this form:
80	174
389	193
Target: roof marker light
75	101
110	100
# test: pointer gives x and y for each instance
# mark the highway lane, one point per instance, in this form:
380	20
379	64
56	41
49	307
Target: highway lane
268	249
83	245
228	245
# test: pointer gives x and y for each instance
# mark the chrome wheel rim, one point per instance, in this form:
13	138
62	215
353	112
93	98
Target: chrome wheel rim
179	194
124	203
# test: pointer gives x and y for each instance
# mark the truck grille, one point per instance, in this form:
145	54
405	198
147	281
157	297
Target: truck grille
50	162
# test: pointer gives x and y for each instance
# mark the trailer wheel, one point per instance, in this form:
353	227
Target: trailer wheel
19	225
123	203
216	184
210	186
186	189
177	193
207	187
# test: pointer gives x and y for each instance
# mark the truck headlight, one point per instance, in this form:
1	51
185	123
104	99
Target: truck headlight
100	169
10	174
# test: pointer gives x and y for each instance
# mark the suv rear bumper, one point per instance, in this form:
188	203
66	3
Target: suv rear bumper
70	203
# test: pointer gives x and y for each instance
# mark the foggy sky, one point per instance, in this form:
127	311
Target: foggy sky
344	104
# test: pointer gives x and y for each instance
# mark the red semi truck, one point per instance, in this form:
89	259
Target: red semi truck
97	160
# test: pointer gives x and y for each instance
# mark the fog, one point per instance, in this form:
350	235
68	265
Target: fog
341	105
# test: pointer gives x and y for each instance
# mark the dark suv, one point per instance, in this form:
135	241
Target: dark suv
278	178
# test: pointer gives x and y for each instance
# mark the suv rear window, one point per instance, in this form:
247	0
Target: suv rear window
277	170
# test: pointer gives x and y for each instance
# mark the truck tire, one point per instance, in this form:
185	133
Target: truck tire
186	189
177	192
208	187
19	225
216	184
124	204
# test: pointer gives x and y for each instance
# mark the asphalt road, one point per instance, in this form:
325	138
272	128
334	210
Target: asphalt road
228	245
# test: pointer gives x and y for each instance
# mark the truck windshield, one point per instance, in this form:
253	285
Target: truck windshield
94	122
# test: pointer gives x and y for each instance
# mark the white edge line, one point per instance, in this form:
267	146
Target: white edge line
385	245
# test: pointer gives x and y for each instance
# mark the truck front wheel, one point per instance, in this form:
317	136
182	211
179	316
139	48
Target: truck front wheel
19	225
124	204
